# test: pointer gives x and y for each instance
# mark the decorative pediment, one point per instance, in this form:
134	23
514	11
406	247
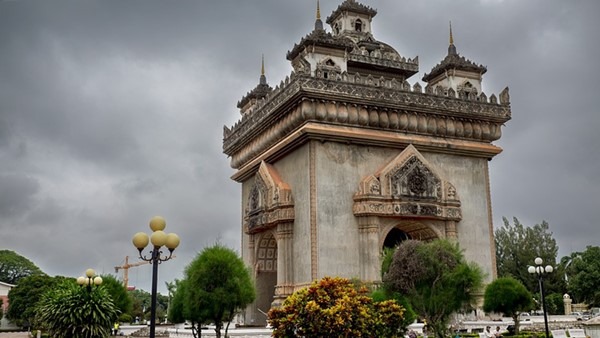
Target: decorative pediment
270	201
407	186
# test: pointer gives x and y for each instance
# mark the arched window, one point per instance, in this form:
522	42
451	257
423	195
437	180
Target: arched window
330	62
358	25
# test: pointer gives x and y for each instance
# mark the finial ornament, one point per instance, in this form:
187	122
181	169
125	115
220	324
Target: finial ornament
263	78
318	22
318	11
451	47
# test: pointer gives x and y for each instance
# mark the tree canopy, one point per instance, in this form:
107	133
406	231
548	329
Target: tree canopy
583	275
334	307
509	296
217	285
518	245
118	293
435	278
24	296
14	267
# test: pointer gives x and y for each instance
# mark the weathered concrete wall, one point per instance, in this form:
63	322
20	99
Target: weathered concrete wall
294	169
340	167
469	176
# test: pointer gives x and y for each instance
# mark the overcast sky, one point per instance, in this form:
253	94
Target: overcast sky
112	112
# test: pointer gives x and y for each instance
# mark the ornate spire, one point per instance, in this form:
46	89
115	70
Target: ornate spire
451	47
318	11
263	78
318	22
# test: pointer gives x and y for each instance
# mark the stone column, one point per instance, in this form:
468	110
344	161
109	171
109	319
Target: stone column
568	304
368	243
251	311
285	262
451	231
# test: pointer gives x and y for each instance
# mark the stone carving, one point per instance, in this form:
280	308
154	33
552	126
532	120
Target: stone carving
268	115
375	187
269	202
504	96
409	187
414	180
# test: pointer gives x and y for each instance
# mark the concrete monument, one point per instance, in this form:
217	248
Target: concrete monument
345	157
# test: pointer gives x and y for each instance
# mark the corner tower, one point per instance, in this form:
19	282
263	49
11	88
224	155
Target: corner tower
345	157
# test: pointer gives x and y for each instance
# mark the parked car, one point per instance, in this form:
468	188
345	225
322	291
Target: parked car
524	316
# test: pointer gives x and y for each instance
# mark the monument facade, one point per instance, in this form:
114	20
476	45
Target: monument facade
345	157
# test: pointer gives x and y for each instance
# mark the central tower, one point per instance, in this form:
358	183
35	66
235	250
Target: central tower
345	157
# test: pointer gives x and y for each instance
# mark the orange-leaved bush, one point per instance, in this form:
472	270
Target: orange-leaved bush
334	307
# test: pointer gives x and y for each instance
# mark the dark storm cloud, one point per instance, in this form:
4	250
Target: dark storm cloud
112	112
17	194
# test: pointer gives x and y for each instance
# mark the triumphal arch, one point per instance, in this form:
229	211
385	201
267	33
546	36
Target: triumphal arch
346	156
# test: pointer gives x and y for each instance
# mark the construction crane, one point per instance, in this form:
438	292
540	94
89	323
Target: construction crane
125	267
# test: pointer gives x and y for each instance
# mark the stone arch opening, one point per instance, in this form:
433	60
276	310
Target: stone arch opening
395	237
265	274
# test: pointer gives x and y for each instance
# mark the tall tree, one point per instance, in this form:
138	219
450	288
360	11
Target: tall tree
509	296
24	296
119	294
218	285
14	267
436	280
518	245
176	312
584	276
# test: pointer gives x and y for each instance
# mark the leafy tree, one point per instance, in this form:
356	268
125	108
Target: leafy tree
509	296
72	311
435	278
118	293
24	296
384	293
333	307
517	246
217	285
14	267
1	308
555	304
176	312
584	276
141	304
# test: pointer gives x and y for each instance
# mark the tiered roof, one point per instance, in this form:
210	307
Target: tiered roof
454	61
351	6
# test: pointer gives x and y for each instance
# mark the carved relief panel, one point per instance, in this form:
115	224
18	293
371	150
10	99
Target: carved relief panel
408	186
270	201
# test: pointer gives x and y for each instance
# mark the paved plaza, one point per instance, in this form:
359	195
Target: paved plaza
14	335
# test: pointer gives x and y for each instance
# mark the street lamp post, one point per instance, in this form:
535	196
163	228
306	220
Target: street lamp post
89	279
158	238
540	271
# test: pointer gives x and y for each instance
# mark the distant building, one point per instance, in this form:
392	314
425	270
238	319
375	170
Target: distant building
4	289
345	157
